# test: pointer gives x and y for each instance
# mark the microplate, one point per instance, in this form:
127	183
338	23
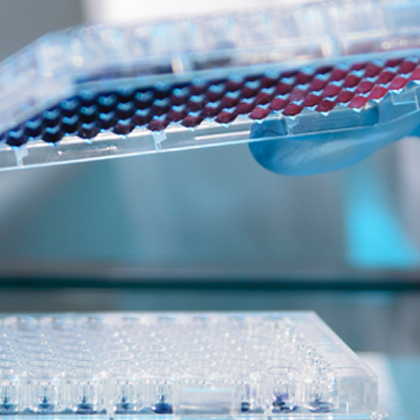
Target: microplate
108	90
181	365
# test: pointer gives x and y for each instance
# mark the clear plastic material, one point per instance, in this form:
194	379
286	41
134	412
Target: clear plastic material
218	365
37	84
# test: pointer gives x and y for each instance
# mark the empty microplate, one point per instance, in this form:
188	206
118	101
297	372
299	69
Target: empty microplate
183	365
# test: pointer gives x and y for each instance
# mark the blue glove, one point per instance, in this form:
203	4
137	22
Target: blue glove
328	151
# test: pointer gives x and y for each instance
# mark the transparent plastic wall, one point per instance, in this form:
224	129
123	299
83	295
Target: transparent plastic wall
181	365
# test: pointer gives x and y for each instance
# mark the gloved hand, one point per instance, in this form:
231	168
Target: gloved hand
328	151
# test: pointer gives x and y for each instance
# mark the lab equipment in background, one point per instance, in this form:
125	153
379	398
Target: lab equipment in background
117	365
107	90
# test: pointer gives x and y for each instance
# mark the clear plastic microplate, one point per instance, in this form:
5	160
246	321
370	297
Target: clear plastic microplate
105	90
183	365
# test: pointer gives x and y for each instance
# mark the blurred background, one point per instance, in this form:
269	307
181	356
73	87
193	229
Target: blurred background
210	229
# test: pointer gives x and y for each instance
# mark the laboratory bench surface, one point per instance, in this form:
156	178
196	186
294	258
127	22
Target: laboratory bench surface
399	383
